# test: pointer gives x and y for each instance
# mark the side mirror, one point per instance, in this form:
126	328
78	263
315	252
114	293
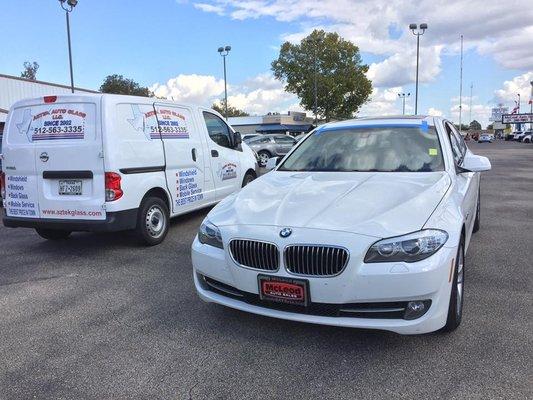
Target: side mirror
473	163
272	162
237	139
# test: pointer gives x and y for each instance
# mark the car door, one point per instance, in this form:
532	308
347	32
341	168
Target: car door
284	144
224	156
184	156
468	182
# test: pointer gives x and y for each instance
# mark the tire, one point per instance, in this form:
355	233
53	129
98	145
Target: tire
477	222
152	221
263	157
455	309
52	234
249	177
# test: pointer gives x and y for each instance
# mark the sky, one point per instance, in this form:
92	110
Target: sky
171	47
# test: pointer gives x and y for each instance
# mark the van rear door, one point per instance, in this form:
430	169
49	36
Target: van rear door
22	198
66	137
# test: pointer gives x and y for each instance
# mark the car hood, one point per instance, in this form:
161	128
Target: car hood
374	204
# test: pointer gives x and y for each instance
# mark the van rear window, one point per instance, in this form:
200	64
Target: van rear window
53	122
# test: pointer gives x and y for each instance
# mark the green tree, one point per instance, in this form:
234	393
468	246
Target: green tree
475	125
232	111
117	84
30	70
341	84
490	127
464	127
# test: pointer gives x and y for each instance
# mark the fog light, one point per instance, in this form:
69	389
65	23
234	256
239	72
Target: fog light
415	309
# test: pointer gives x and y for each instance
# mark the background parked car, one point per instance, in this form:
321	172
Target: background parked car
518	136
249	136
268	146
1	173
528	136
485	139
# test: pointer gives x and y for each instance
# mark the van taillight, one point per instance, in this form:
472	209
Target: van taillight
50	99
2	185
113	190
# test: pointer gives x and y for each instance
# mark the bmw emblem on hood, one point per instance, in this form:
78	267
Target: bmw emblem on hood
285	232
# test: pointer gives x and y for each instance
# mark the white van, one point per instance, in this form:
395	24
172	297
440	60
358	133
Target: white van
99	162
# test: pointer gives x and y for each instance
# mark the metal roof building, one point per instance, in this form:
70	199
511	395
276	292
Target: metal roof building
13	88
292	123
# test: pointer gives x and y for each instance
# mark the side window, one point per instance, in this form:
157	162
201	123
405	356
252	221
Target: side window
456	147
218	130
260	140
284	140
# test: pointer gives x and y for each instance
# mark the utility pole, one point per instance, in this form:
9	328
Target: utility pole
470	106
531	105
461	89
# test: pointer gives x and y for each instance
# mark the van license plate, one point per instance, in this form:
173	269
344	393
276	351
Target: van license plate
70	187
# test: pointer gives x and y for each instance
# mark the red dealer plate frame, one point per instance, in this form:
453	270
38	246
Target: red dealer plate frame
284	290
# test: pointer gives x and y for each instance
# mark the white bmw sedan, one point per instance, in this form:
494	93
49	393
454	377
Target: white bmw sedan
364	224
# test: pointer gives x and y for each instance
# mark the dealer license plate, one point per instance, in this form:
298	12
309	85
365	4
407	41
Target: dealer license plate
283	290
70	187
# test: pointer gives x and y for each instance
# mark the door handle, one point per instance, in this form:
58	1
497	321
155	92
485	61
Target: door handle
193	154
214	153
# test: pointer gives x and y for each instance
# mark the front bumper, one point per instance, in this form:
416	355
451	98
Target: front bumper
358	283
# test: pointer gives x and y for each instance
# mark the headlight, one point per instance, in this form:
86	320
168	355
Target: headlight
210	234
408	248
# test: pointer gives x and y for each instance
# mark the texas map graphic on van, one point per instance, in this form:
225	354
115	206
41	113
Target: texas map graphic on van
228	171
51	123
166	124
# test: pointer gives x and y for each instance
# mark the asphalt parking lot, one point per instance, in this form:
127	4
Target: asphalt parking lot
96	316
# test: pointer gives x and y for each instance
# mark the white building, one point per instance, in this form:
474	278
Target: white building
13	88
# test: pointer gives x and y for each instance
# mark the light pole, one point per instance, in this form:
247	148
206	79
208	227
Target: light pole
518	126
531	106
68	6
403	96
224	51
417	32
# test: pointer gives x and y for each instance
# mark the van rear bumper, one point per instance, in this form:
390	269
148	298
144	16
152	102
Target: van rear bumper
115	221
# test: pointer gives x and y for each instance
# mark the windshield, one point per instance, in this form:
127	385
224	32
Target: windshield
369	149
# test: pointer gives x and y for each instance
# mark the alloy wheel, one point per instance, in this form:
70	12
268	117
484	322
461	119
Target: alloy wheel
263	158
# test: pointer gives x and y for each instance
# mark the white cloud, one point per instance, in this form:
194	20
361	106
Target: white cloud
519	84
400	68
210	8
503	30
480	112
384	102
193	88
257	95
435	112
